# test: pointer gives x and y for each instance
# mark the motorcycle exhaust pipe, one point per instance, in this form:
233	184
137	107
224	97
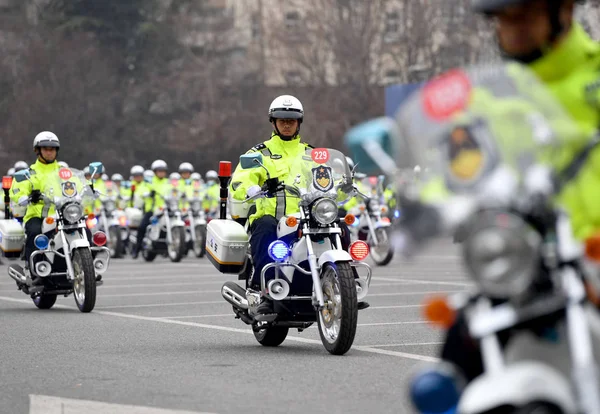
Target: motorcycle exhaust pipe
16	275
43	268
279	289
362	289
235	295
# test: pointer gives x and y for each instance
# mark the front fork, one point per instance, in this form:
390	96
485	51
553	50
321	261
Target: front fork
168	226
105	226
67	252
192	227
371	228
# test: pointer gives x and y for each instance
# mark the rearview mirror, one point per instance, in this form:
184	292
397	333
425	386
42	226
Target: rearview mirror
96	168
370	142
21	176
250	160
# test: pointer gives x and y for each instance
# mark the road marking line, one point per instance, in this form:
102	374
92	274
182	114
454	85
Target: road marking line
407	344
427	292
395	307
184	292
237	330
152	305
393	323
108	284
196	316
424	282
43	404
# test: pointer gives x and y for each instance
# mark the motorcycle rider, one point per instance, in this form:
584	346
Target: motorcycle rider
152	200
286	114
46	146
148	176
122	192
20	165
138	185
211	192
86	173
544	35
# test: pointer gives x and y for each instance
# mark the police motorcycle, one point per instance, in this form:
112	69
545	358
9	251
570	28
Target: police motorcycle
134	213
66	260
489	133
166	232
315	280
195	223
373	226
112	221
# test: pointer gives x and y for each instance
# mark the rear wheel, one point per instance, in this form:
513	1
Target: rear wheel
338	319
383	253
45	301
271	336
177	247
84	281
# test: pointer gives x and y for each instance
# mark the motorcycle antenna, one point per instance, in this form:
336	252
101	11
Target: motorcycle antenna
224	177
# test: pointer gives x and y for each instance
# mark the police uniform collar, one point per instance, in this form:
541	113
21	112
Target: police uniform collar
569	54
286	144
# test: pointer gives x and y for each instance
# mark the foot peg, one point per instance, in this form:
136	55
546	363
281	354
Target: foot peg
363	305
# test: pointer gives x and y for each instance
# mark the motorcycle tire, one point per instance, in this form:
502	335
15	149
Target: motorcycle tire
178	245
44	301
539	408
337	280
83	267
386	258
200	244
272	336
116	243
148	255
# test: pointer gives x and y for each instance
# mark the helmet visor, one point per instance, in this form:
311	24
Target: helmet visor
286	114
492	6
51	144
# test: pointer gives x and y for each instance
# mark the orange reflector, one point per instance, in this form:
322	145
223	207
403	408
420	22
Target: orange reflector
362	207
123	221
437	311
384	209
91	216
359	250
291	221
349	219
592	248
49	220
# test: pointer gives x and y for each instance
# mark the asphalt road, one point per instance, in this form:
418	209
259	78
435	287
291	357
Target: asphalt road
162	340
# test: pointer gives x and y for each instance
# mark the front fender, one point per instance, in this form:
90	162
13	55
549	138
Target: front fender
517	385
382	224
177	222
332	256
75	241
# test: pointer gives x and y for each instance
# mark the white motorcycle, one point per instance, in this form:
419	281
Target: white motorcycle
374	228
195	224
166	232
315	280
113	222
65	261
483	131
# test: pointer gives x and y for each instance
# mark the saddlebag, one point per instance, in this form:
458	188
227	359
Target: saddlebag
226	245
134	217
12	238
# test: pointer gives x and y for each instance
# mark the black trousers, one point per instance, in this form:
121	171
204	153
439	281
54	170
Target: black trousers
142	230
264	232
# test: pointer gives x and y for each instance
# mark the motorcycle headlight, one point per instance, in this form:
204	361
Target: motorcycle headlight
109	205
173	205
196	205
374	205
502	254
325	211
72	212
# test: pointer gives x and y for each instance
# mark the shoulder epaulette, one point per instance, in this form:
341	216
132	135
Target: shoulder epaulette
258	147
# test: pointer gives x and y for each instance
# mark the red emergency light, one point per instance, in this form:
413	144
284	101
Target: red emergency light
6	182
225	169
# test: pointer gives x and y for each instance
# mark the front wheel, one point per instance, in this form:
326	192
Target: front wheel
338	319
200	243
116	243
84	280
45	301
176	248
271	336
383	253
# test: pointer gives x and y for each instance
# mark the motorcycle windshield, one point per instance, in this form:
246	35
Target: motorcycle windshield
68	185
172	194
467	123
325	173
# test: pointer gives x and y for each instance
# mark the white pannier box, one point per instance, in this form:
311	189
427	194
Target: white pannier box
12	237
226	245
134	217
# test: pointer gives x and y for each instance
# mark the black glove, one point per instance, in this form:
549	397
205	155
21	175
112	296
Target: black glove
36	196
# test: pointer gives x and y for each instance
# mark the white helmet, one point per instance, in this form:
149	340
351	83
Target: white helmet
86	170
63	164
211	175
116	177
158	165
104	177
10	171
148	175
46	139
174	176
186	167
286	107
21	165
136	170
196	176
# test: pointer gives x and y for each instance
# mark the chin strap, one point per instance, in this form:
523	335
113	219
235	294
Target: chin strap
41	157
286	137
